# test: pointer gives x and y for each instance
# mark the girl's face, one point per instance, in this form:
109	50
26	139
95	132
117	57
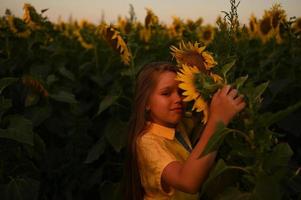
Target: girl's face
165	103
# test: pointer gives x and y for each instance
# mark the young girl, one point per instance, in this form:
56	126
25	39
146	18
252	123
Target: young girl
161	162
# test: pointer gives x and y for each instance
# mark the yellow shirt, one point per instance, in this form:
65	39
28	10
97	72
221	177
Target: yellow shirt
156	149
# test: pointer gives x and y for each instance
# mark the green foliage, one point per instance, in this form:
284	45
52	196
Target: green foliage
66	97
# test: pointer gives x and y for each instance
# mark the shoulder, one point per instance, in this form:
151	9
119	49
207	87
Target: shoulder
149	138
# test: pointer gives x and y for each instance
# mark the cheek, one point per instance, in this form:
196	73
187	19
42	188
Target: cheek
159	104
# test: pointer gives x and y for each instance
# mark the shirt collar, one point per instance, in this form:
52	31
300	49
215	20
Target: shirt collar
163	131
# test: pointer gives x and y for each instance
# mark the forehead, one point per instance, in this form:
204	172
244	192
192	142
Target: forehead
167	79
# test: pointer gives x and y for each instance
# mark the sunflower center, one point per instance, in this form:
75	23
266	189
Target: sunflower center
265	26
193	58
207	35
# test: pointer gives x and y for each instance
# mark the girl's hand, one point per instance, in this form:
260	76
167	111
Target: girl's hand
225	104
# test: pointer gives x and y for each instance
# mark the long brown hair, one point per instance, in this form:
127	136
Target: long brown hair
145	84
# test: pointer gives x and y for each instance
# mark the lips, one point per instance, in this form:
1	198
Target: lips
177	109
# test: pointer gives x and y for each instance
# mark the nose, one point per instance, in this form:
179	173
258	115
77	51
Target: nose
178	97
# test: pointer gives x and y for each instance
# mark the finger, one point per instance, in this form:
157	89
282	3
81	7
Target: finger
225	90
241	106
217	93
233	93
239	99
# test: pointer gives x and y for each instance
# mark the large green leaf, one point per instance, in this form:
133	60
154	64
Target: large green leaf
267	187
96	151
218	169
111	191
240	81
38	114
5	104
227	67
279	157
4	82
115	133
258	91
64	96
106	103
269	118
234	194
216	139
19	129
22	189
66	73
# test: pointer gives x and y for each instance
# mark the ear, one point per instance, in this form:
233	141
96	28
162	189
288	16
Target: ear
147	108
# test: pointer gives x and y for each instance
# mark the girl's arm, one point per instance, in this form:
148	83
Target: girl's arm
189	176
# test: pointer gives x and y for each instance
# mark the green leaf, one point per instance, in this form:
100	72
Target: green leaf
216	139
96	151
259	90
64	96
227	67
66	73
4	82
115	133
276	86
111	191
240	81
38	114
51	79
5	104
39	144
218	169
232	193
22	189
269	118
279	157
267	187
106	103
19	129
40	71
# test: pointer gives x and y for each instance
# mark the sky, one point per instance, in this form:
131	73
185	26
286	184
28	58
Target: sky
93	10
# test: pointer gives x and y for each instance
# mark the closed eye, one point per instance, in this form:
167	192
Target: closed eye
167	93
180	92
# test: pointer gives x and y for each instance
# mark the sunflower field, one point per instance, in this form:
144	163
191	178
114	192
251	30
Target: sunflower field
66	93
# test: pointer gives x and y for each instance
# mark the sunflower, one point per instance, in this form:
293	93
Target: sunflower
193	55
195	76
145	34
207	34
117	43
281	33
177	27
297	26
216	78
265	27
187	77
84	24
199	21
253	26
278	15
84	38
150	18
31	17
123	25
17	26
191	25
35	85
201	106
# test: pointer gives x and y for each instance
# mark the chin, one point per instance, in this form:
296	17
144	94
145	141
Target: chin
176	121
